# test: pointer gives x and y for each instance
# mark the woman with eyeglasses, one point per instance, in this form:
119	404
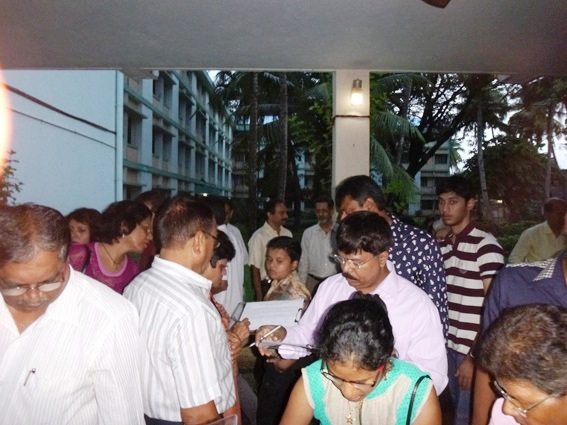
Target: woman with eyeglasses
357	379
125	228
525	351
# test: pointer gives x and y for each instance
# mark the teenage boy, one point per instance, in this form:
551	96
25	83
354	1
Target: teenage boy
472	257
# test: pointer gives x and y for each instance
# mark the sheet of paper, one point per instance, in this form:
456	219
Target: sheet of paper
285	313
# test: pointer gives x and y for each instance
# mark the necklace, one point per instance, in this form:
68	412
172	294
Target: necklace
116	263
350	418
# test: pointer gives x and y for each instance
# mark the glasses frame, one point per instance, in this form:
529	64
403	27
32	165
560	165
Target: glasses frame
344	261
217	242
338	382
515	403
44	288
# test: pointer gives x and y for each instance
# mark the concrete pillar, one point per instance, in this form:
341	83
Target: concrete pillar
351	130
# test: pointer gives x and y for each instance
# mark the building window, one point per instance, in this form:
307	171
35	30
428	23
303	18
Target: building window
133	130
441	158
427	204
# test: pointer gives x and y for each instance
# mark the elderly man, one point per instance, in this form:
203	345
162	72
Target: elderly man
69	345
187	374
544	240
317	244
363	241
276	215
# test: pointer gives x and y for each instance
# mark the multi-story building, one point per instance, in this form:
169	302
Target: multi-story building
88	138
175	136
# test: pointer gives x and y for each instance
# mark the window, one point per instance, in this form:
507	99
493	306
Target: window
441	158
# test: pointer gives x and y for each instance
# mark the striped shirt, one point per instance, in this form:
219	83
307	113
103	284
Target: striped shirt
475	255
77	364
187	360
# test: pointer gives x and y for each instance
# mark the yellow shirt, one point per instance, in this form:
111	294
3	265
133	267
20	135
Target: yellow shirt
537	243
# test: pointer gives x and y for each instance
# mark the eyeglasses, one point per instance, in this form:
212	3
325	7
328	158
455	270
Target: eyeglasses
355	264
338	382
19	290
515	403
217	242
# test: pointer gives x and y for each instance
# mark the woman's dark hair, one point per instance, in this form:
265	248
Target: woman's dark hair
528	343
120	219
357	329
363	231
88	216
153	199
225	250
289	245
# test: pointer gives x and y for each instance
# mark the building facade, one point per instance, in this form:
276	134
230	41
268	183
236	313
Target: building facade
89	138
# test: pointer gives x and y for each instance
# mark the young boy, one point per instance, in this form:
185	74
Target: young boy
282	260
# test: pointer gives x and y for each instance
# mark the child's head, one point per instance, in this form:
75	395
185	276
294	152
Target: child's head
82	224
282	257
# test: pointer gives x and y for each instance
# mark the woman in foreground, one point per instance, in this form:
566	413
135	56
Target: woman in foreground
358	380
525	351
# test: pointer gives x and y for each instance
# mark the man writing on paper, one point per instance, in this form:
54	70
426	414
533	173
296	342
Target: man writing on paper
363	240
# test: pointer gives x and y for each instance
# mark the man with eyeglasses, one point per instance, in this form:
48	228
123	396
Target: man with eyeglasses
363	240
187	371
69	345
414	254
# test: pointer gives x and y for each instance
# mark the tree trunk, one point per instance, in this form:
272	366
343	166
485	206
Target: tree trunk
404	114
282	173
252	154
549	131
485	205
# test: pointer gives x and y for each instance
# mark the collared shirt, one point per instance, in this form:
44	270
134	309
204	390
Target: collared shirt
537	243
257	246
316	248
187	360
234	293
78	363
473	256
416	256
519	284
418	334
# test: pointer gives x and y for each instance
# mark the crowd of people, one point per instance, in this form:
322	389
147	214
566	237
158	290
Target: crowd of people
131	315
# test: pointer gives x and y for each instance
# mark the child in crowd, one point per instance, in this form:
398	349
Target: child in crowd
82	224
282	260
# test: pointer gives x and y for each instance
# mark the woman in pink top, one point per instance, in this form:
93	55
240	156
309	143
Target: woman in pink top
125	227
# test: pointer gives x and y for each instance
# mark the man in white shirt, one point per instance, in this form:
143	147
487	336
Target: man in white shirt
276	215
187	372
69	345
317	244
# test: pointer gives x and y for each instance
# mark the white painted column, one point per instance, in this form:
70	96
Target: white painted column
351	130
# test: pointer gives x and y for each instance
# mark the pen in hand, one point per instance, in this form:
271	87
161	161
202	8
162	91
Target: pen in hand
267	335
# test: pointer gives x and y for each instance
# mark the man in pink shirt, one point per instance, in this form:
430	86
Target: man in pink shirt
363	240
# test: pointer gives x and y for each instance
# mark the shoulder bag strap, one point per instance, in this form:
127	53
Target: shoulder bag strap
412	399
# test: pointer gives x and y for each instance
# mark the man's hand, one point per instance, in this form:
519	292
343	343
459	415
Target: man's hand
277	336
465	373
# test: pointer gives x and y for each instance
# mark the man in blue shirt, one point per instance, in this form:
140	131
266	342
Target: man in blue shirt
543	282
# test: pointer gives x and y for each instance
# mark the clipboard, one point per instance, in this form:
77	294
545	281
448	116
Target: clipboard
281	312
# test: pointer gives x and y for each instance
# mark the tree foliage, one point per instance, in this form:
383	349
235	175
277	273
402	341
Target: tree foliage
9	184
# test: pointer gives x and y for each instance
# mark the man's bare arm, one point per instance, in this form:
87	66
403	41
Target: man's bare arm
199	415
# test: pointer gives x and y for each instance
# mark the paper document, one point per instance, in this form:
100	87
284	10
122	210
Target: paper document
285	313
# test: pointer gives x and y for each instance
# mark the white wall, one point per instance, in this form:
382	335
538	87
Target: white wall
63	162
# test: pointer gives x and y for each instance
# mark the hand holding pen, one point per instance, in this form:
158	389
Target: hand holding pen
274	333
